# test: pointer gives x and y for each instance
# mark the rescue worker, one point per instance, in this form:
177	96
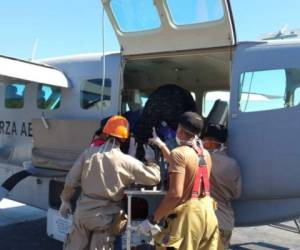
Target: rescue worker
103	173
188	210
225	180
99	138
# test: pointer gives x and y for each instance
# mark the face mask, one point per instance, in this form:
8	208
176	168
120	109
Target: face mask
104	148
178	141
181	142
221	148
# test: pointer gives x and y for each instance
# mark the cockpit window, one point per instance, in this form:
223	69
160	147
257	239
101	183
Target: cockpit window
269	89
135	15
91	94
211	97
195	11
14	95
296	97
133	100
48	97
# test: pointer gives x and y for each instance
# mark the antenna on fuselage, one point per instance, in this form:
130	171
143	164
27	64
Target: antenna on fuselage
282	31
34	48
103	61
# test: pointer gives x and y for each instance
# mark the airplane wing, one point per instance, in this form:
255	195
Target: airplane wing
12	68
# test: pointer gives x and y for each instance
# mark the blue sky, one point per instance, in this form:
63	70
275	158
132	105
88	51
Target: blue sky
74	26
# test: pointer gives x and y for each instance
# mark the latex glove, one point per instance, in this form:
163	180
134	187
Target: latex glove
148	229
149	153
65	208
132	147
155	140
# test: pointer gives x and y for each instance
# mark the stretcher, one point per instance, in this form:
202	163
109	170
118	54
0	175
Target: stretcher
130	194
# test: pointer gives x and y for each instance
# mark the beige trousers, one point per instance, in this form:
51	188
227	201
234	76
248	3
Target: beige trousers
225	236
90	233
191	226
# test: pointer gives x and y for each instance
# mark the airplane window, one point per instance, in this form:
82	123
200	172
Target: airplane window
90	94
263	90
135	15
144	100
48	97
210	98
133	100
296	100
14	95
195	11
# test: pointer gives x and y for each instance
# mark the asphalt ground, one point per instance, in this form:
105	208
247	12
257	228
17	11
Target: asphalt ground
30	235
23	227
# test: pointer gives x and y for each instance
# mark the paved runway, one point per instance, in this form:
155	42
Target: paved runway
24	227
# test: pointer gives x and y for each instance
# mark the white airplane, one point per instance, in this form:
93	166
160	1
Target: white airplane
50	109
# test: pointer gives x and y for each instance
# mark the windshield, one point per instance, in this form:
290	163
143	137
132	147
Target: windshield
135	15
199	11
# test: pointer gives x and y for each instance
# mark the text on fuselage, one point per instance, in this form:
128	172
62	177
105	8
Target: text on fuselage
11	128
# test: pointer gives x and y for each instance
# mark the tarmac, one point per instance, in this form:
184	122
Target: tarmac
24	227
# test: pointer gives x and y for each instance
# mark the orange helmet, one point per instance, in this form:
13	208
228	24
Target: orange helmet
117	126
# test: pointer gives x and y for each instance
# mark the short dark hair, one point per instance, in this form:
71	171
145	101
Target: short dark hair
216	131
191	122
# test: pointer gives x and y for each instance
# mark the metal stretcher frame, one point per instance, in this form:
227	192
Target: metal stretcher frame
130	194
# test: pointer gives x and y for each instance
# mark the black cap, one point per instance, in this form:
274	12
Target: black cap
191	122
218	132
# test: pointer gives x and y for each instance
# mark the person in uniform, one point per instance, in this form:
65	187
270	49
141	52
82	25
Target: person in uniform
103	173
188	210
225	179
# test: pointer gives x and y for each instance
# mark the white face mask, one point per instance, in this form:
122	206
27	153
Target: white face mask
221	148
178	141
181	142
104	148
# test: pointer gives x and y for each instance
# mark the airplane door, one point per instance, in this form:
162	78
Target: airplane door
264	131
155	26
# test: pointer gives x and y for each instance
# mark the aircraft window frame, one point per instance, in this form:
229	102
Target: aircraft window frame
133	100
222	94
175	14
296	96
117	10
20	89
274	91
107	99
43	104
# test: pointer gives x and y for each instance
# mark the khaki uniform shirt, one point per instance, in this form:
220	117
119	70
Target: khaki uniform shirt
184	160
225	186
104	176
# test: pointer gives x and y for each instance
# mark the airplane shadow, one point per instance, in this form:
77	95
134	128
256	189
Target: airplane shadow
288	228
13	215
30	235
259	245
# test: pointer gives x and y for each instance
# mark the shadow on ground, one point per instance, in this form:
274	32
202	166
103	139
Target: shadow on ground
30	235
257	245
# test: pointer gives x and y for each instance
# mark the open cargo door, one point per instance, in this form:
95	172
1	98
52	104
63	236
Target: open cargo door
155	26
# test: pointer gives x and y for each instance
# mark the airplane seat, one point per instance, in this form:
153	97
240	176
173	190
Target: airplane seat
218	114
58	146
